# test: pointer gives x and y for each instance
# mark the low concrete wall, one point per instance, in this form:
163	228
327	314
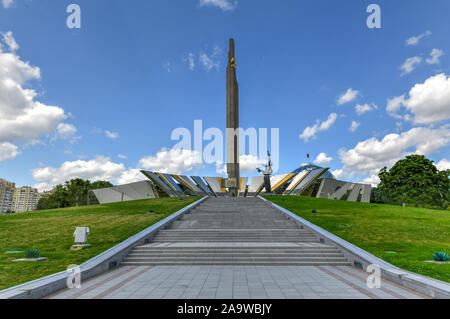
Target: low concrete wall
360	258
107	260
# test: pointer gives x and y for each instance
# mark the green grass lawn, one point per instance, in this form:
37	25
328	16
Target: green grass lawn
414	233
51	232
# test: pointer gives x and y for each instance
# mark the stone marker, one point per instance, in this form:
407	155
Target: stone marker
81	236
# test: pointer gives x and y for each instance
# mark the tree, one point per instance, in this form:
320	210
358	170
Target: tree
73	193
416	180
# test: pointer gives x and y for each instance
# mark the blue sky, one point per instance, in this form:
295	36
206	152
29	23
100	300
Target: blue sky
102	101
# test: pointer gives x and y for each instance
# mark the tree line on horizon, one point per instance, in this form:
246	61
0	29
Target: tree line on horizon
70	194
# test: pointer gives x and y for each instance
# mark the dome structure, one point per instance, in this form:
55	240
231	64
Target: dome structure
311	167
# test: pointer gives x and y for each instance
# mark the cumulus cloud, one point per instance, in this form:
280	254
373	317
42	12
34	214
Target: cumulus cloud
311	131
225	5
348	96
22	117
247	164
121	156
174	161
354	126
416	39
131	176
429	102
8	151
7	3
99	168
410	64
435	56
369	156
361	109
66	131
322	159
443	164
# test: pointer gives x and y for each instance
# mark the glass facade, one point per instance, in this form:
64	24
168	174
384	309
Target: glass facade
312	167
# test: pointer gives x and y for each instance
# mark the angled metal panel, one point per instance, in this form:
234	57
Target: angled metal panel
281	182
311	177
202	185
155	179
256	184
295	181
354	193
171	182
186	181
214	184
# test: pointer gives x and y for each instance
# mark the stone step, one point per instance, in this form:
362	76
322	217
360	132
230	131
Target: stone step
237	263
240	249
229	240
230	254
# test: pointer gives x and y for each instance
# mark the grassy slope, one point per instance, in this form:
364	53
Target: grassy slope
51	232
414	233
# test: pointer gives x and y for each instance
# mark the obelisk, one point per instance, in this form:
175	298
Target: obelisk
232	125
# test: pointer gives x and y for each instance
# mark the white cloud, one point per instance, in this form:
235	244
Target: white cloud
247	164
354	126
373	179
348	96
361	109
131	176
174	161
211	61
190	59
8	151
443	164
100	168
10	41
323	159
111	135
66	131
22	118
121	156
368	156
225	5
415	39
7	3
410	64
311	131
338	173
435	55
429	102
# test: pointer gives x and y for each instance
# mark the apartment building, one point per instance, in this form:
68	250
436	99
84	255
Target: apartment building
17	200
25	199
6	196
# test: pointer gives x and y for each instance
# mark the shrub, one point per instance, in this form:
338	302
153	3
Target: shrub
32	253
440	256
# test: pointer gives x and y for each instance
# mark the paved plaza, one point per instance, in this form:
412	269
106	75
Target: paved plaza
234	282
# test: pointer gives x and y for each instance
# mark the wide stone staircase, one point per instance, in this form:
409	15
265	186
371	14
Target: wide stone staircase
235	231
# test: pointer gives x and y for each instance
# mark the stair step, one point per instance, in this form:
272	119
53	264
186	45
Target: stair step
237	263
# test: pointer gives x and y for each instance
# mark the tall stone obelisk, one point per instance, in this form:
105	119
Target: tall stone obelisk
233	180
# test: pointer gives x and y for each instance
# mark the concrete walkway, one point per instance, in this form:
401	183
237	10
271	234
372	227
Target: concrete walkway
235	248
234	282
